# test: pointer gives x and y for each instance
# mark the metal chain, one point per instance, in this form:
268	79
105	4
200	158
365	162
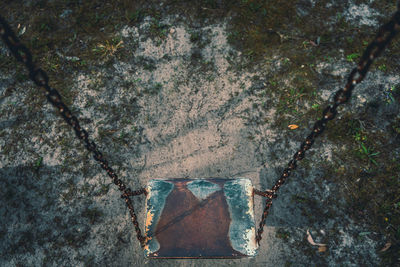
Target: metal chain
40	78
382	39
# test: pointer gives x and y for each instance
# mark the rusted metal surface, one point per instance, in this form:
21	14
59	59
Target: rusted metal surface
200	218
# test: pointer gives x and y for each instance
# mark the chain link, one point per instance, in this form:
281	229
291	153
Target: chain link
40	78
384	36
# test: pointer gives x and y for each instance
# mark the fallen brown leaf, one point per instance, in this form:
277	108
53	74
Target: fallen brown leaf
386	247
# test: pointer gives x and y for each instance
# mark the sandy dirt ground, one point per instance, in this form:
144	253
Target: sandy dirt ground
182	106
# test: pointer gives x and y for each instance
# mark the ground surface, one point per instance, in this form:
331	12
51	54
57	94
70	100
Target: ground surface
199	89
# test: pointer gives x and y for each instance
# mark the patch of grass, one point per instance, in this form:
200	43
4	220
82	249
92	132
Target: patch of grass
351	131
108	48
370	178
315	106
273	83
90	24
368	153
365	150
382	67
38	163
289	100
352	57
349	40
158	30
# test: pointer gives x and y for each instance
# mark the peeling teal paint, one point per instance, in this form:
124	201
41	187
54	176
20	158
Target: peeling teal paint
158	193
202	188
239	197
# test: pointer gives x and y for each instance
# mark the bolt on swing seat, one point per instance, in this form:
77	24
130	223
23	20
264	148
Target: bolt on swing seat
200	218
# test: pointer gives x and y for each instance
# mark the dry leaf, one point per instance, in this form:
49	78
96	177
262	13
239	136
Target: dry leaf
386	247
311	240
293	126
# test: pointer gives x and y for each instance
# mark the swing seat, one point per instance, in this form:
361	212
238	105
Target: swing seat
200	218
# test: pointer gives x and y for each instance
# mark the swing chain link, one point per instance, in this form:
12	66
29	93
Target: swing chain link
384	36
40	78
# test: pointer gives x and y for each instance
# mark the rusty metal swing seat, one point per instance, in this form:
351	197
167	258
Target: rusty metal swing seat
201	218
196	218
